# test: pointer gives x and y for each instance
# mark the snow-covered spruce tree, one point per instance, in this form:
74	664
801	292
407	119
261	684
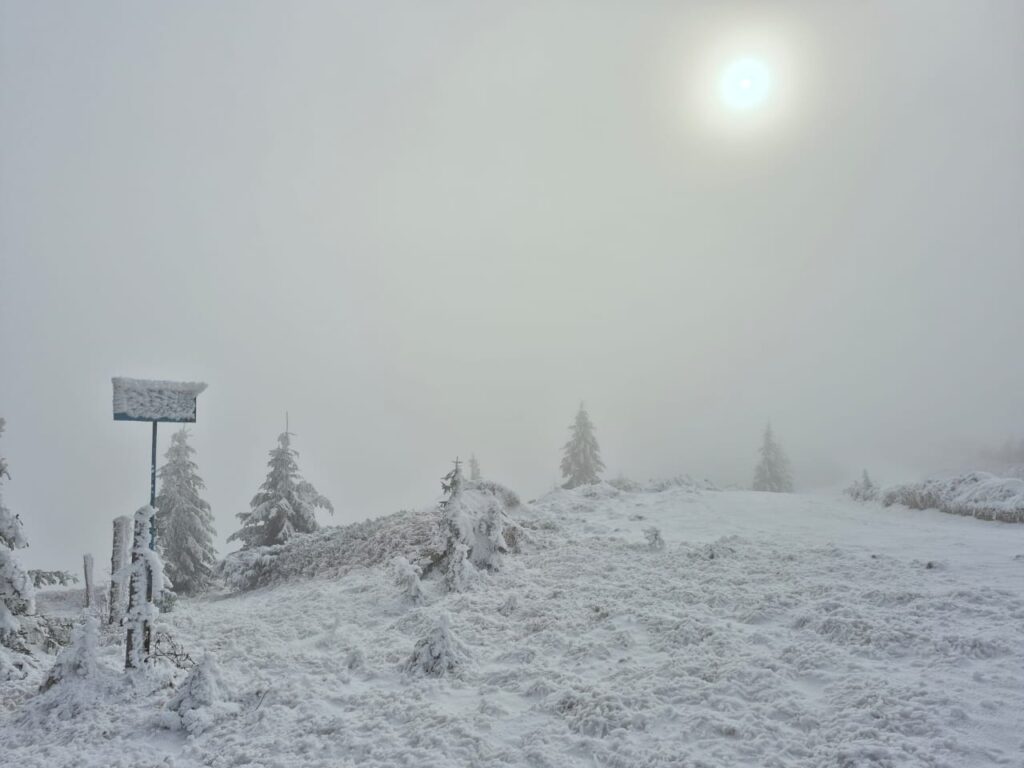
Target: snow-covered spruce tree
581	464
184	522
772	472
16	594
439	652
285	505
455	531
78	660
201	700
474	469
407	577
143	595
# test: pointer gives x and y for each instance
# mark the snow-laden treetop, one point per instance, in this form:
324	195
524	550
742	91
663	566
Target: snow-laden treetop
151	400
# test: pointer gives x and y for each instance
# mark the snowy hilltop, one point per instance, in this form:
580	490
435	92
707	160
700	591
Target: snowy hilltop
674	627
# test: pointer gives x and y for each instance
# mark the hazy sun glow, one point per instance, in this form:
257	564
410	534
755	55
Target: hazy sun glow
745	84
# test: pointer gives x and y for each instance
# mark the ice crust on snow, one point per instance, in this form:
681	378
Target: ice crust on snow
772	630
152	400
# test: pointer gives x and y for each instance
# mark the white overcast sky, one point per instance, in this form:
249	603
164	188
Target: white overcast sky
430	228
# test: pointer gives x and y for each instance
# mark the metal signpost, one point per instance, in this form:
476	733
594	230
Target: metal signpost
152	401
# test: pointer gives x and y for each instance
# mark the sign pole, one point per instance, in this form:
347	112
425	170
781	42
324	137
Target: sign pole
152	401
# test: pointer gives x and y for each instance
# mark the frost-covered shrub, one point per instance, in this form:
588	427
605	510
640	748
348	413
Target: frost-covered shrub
459	572
16	593
474	530
654	540
333	551
657	485
863	489
78	660
71	685
975	494
407	576
201	700
439	653
250	568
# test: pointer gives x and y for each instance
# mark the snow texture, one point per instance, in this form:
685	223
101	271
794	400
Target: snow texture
150	400
775	630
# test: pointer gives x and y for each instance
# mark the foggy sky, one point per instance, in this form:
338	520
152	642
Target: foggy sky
430	228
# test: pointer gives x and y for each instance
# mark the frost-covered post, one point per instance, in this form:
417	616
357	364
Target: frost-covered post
152	401
118	562
146	582
87	568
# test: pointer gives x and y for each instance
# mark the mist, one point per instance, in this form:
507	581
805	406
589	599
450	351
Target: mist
425	230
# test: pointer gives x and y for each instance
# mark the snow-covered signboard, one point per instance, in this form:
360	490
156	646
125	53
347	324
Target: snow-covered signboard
147	400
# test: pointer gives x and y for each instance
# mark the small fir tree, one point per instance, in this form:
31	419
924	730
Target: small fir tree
16	593
772	472
474	469
863	489
184	522
581	464
285	505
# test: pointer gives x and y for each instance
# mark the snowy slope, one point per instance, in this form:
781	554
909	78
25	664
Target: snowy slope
772	630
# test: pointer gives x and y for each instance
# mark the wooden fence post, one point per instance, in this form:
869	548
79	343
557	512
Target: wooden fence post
87	567
118	560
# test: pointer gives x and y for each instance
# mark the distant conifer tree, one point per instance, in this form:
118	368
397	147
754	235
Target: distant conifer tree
183	520
581	464
285	505
772	473
474	469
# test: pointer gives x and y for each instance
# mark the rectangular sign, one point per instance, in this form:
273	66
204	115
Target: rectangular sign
148	400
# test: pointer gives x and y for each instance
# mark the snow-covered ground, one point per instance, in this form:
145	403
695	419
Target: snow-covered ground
771	630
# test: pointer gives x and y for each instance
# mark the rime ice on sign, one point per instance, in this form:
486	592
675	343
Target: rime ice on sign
146	400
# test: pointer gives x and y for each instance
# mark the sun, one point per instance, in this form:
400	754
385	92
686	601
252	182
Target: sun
745	84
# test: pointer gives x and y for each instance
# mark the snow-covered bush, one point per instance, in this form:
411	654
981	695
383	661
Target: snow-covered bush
863	489
285	505
79	659
201	700
439	653
657	485
975	494
654	540
474	530
71	684
333	551
407	576
16	593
